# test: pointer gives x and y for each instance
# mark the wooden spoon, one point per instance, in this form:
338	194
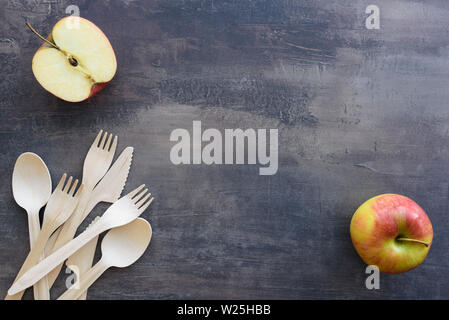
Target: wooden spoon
60	206
31	187
122	212
121	247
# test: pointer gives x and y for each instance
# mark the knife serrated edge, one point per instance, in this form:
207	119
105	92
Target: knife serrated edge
114	181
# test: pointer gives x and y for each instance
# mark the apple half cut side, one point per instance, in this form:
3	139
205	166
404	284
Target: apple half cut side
76	61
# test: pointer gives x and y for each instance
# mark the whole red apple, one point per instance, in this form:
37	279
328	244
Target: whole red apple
392	232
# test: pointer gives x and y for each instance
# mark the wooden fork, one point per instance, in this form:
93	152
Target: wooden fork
96	164
59	208
120	213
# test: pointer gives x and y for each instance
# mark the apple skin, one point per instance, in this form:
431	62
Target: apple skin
378	223
97	87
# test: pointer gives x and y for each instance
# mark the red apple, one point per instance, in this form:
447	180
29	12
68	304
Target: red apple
76	61
392	232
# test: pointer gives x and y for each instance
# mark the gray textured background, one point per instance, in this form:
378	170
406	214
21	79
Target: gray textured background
359	112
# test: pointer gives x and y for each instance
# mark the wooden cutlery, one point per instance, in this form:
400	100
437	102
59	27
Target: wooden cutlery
121	247
31	187
81	261
108	189
111	186
96	164
120	213
65	210
59	208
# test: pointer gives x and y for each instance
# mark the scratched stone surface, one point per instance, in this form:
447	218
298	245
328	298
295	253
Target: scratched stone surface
359	112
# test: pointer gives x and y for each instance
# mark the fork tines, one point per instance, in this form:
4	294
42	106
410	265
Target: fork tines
61	182
140	198
105	143
68	187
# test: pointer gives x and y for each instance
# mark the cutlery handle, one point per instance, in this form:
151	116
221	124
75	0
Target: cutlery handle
68	231
37	254
84	282
64	235
43	290
34	227
32	259
82	260
90	206
40	270
69	228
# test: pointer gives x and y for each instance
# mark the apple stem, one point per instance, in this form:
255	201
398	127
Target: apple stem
413	240
41	37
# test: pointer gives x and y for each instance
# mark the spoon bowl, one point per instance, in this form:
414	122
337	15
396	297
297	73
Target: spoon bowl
31	182
123	246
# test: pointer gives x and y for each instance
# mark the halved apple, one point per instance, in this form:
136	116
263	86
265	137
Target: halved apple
76	61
